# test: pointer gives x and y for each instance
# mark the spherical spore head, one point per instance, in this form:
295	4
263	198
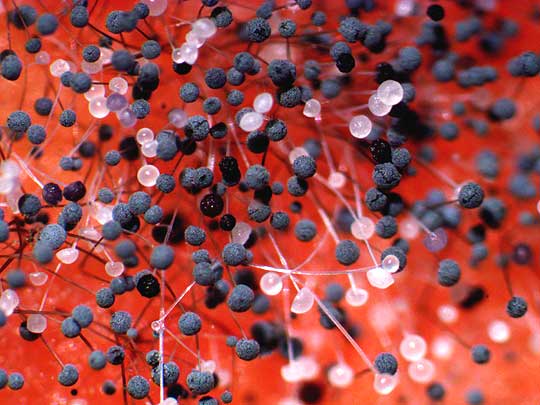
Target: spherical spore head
480	354
138	387
68	376
347	252
516	307
200	382
386	363
448	273
470	195
247	349
241	298
189	323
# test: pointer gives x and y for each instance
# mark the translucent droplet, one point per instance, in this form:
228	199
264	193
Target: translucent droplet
251	121
43	58
292	372
356	297
36	323
360	126
204	27
91	68
413	347
421	371
312	108
436	241
384	384
147	175
118	85
103	214
498	331
116	102
127	118
442	347
271	283
105	55
9	300
114	269
303	301
186	53
340	375
390	264
379	278
156	7
409	228
68	255
404	8
447	313
390	92
38	278
144	135
177	55
263	103
363	228
337	180
309	367
377	107
149	149
97	90
240	233
98	107
58	67
178	118
193	39
10	169
7	185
